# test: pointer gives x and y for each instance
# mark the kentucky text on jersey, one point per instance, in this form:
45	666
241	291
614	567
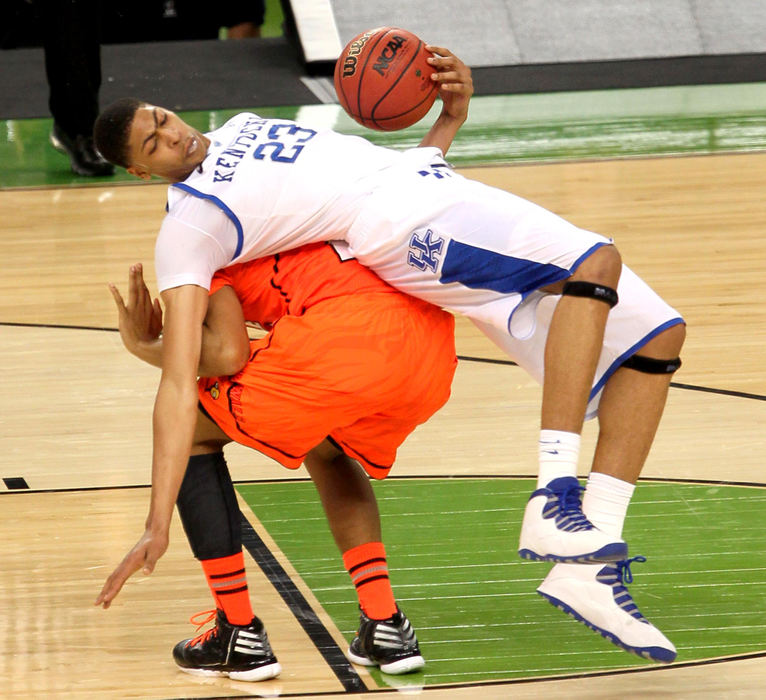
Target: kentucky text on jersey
230	158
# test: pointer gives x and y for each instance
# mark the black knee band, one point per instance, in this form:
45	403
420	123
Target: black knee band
208	508
594	291
650	365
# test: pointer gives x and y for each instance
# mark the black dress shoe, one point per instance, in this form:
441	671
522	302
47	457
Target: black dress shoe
83	156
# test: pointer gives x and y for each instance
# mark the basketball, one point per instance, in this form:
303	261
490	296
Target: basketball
383	79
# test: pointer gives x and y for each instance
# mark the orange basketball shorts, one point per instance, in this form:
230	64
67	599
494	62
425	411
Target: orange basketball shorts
363	369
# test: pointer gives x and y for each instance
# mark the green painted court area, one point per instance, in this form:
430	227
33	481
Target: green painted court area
682	120
451	547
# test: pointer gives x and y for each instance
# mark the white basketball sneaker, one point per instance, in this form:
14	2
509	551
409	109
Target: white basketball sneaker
555	529
596	596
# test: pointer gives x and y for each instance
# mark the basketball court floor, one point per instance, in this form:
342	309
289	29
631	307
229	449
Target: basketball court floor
676	177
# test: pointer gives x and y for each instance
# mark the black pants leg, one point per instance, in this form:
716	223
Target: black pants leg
71	34
208	508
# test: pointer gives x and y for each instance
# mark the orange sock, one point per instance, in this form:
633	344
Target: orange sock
228	584
366	564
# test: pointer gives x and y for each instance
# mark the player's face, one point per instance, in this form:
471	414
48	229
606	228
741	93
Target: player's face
161	143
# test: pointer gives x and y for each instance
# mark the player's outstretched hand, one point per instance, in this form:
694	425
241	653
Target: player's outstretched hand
454	79
140	320
144	555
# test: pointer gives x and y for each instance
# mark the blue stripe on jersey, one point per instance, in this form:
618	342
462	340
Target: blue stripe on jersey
631	351
212	198
479	268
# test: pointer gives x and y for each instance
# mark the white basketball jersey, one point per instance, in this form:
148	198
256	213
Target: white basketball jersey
282	185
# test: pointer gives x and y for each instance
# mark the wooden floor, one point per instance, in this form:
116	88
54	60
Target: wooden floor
75	416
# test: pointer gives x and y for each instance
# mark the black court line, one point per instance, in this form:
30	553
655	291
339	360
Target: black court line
300	607
394	477
397	477
464	358
676	385
60	326
421	690
725	392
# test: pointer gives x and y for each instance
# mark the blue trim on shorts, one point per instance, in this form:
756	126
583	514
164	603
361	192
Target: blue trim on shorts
479	268
631	351
212	198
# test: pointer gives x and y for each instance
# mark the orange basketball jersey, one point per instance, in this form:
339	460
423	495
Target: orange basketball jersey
347	356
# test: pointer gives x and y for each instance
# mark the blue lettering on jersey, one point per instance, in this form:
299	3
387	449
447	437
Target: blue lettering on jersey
287	141
284	143
424	251
232	156
438	170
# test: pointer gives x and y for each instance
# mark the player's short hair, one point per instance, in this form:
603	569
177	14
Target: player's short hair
112	129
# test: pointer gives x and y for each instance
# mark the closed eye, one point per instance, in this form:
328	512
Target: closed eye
159	120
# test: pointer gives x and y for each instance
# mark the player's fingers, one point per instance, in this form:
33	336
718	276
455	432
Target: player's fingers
117	297
133	288
442	77
149	563
442	64
439	50
112	587
141	281
464	88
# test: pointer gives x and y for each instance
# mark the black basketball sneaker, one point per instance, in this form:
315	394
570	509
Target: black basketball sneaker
241	652
390	644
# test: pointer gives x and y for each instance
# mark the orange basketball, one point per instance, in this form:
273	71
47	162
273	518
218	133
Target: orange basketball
383	80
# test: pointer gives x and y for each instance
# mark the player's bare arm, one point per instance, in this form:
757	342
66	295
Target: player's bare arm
225	343
455	90
175	413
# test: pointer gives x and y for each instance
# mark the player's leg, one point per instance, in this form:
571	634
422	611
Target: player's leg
629	414
405	381
385	637
632	405
575	339
554	526
237	646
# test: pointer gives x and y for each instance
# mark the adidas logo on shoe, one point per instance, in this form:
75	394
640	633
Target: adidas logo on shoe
241	652
390	644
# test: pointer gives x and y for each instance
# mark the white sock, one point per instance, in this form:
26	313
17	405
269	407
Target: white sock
559	452
606	502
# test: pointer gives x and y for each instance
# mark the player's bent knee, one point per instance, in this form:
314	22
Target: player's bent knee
603	266
597	276
668	343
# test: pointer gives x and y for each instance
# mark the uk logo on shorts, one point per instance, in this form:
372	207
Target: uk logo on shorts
424	252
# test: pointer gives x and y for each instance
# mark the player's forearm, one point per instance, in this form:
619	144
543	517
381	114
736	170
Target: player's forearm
148	351
175	408
218	356
443	132
173	428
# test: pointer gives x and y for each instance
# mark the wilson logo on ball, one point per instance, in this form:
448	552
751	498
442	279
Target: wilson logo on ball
388	54
354	49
